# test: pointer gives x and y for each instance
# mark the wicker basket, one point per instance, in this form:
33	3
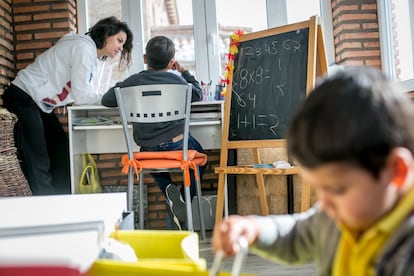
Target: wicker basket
12	179
7	121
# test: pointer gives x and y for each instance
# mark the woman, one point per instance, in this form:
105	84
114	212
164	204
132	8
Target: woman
61	75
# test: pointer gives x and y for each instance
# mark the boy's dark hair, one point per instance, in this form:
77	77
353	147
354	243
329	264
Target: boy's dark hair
159	52
357	116
108	27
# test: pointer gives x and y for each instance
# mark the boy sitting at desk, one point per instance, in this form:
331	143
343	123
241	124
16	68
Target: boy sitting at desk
353	139
159	57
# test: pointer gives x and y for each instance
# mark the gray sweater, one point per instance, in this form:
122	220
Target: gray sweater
313	237
150	135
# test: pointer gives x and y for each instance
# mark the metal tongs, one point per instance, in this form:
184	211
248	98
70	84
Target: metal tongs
238	259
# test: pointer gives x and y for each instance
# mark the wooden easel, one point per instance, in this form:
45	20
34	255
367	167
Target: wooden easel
316	66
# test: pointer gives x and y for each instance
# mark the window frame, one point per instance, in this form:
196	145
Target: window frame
387	41
206	31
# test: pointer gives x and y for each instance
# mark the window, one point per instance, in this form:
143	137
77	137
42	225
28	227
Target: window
173	19
396	33
233	15
299	10
201	29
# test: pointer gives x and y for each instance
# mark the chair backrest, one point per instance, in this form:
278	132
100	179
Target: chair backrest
152	104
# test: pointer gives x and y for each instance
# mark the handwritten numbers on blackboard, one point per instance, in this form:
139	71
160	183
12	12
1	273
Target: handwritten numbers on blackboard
269	80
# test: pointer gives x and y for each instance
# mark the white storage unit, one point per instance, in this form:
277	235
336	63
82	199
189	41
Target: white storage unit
98	138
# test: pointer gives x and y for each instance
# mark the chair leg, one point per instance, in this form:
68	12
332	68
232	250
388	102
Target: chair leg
200	209
130	189
141	201
190	225
221	197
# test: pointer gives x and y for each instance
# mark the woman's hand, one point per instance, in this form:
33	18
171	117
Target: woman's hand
226	235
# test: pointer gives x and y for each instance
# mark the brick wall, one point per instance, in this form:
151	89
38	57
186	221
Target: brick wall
6	45
356	32
38	25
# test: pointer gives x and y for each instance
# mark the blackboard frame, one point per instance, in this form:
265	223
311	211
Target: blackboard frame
312	70
316	66
268	83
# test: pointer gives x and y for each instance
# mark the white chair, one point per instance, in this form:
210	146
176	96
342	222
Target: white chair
153	104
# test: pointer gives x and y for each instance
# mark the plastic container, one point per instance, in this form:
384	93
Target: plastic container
159	252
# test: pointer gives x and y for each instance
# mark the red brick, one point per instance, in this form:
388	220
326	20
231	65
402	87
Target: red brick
155	207
106	165
158	225
21	65
346	27
372	7
111	173
368	26
62	24
344	8
22	37
34	45
6	63
361	54
61	6
55	15
359	36
31	27
373	62
110	156
30	9
371	44
107	181
352	17
25	56
6	5
9	37
47	35
123	181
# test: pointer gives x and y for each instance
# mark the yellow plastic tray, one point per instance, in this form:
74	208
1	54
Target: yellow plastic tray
159	252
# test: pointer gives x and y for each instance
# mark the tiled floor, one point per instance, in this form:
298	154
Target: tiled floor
255	264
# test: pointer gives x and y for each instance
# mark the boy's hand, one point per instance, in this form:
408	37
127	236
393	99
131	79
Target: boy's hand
227	234
177	66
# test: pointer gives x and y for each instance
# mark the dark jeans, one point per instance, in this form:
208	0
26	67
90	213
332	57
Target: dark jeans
164	178
42	144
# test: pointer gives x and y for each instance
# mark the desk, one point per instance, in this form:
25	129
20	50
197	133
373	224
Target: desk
205	126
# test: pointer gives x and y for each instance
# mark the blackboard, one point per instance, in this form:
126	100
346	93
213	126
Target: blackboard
265	85
269	81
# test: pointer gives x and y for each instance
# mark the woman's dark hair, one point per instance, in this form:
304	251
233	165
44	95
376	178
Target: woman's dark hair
159	51
356	115
108	27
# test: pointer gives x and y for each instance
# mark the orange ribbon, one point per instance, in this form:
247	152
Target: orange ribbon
186	166
127	163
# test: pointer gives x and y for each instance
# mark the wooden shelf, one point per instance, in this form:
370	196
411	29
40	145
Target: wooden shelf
250	170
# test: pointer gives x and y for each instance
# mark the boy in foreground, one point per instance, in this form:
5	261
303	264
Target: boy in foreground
353	139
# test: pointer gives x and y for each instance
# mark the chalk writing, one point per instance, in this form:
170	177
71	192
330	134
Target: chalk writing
269	80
